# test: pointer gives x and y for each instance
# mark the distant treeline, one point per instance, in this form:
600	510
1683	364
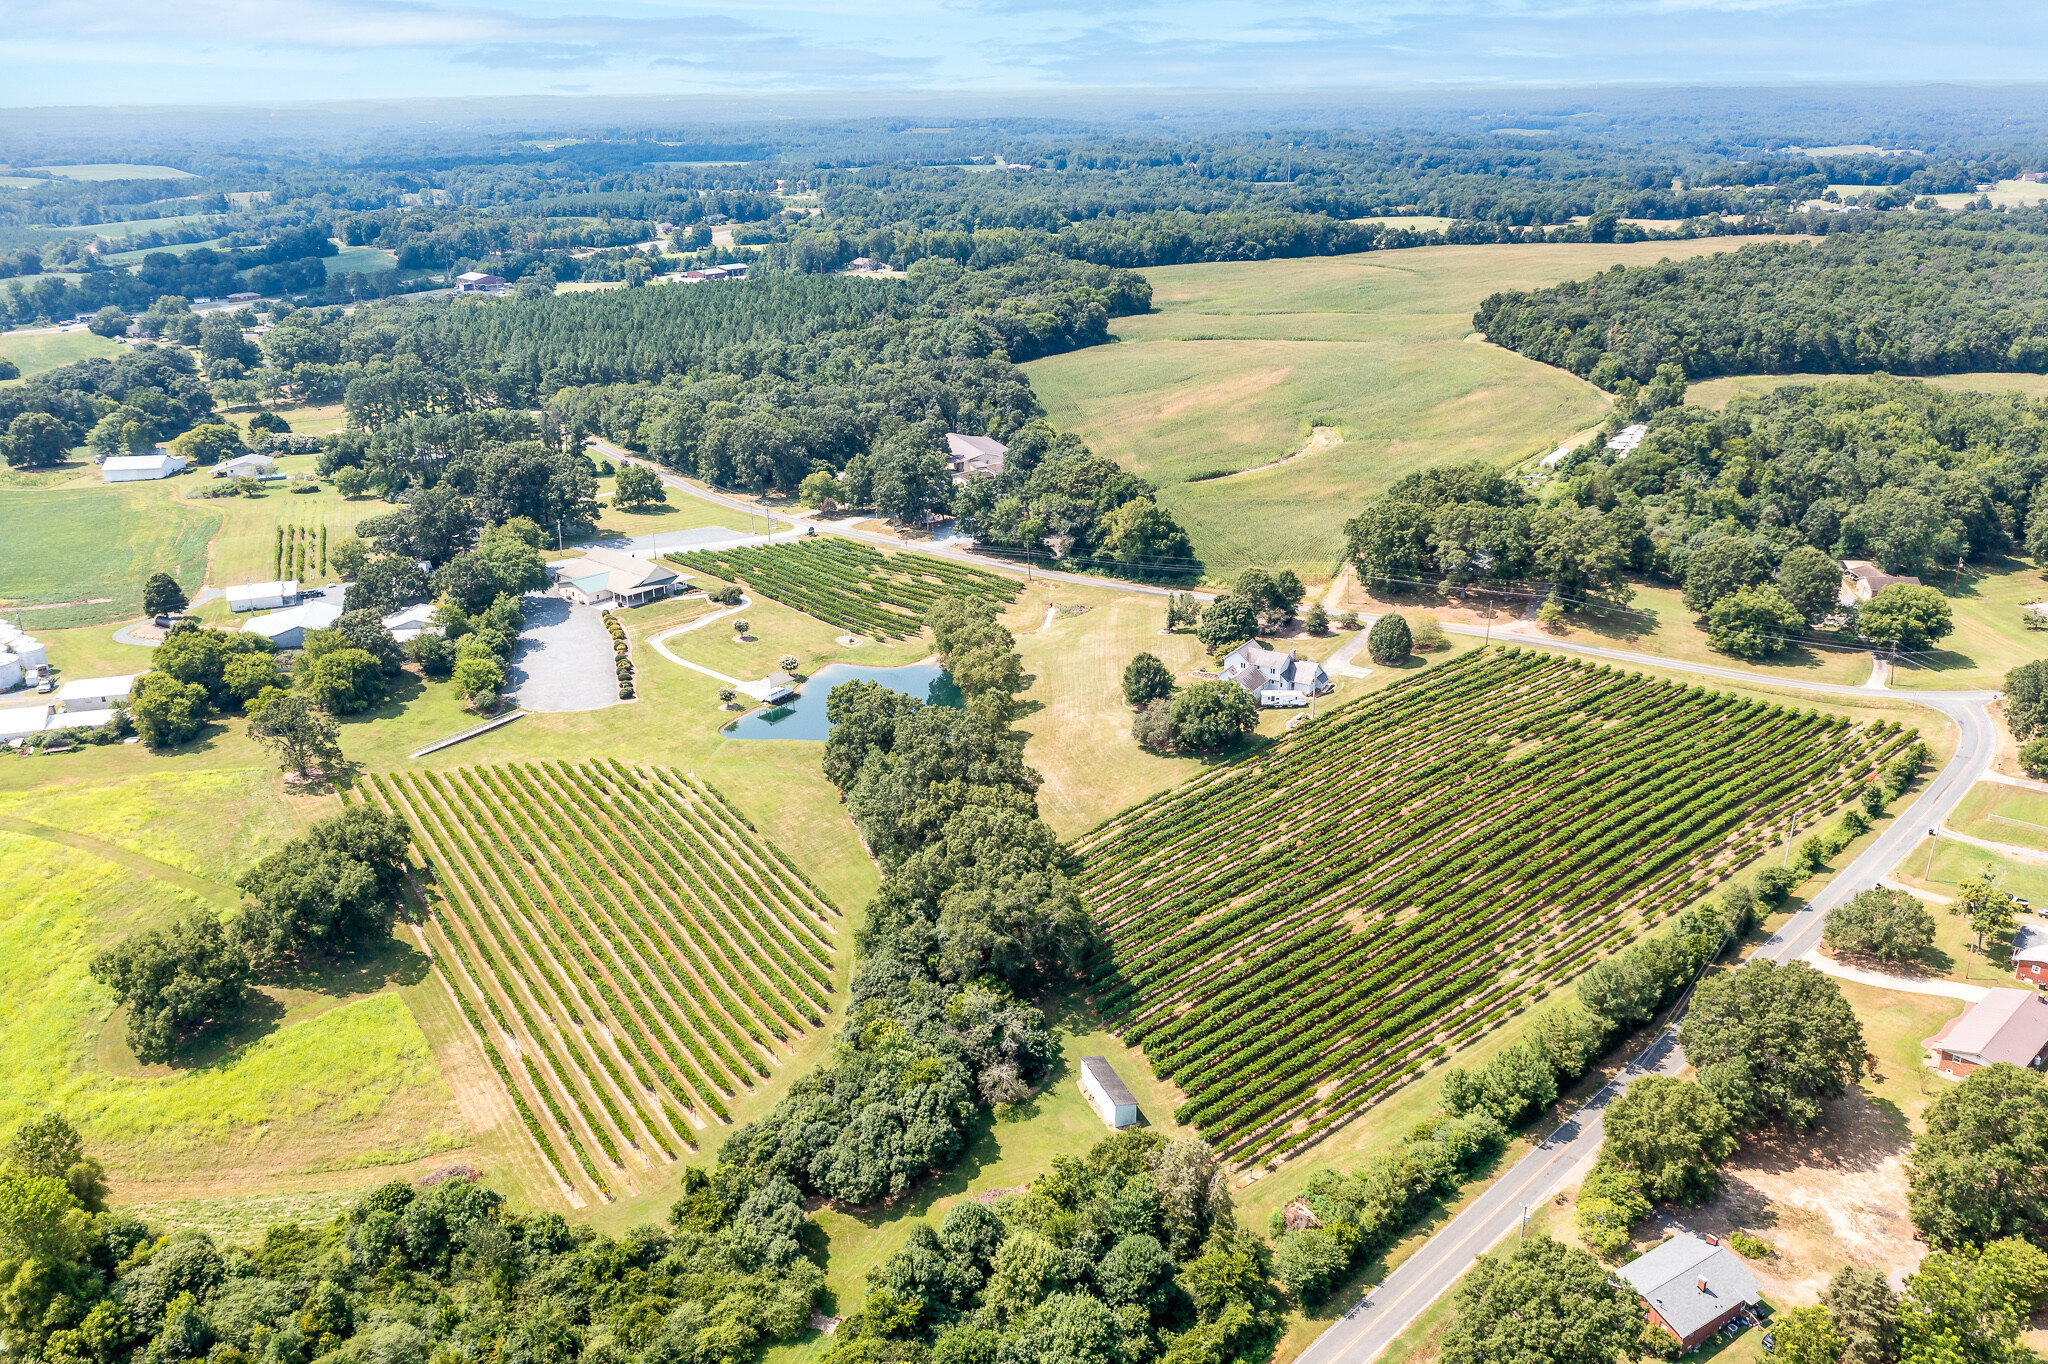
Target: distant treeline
1951	295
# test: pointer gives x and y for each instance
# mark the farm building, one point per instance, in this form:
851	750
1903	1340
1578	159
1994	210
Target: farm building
605	577
414	621
263	596
80	719
18	722
2005	1025
1557	456
1627	439
1693	1287
26	648
96	693
1862	580
1106	1092
140	468
967	456
286	629
1274	678
2030	954
472	280
10	671
245	466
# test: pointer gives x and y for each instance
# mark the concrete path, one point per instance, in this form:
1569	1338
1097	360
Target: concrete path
757	690
2024	783
1884	980
564	659
2012	850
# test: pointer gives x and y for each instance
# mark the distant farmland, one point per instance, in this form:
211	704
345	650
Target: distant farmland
1294	935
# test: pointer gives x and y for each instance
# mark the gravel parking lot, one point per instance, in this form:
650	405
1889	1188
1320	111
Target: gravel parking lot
564	659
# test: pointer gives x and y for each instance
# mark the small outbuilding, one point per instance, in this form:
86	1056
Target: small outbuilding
2005	1025
140	468
1107	1093
408	625
1693	1287
18	722
96	693
286	629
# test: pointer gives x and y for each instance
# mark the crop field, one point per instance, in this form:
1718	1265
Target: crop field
1408	870
83	553
34	354
845	583
630	953
1238	361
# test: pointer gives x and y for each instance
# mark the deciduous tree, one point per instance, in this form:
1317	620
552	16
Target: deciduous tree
1672	1135
1980	1170
1146	679
1887	924
1212	715
1540	1302
173	980
161	595
1772	1041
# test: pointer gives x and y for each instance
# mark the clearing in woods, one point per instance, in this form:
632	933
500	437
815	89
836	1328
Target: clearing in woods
1239	361
615	921
1413	866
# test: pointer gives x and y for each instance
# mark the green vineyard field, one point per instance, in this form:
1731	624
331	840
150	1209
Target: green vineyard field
1295	934
845	583
637	950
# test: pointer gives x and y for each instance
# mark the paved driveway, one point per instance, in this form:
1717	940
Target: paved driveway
564	659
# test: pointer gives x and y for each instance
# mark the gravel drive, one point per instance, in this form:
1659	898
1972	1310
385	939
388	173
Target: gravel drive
564	659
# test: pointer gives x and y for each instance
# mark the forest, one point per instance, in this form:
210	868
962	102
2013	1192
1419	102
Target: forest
1943	297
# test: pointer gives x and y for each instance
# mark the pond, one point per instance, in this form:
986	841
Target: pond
804	718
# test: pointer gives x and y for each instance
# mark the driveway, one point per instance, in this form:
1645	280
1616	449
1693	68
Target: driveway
564	659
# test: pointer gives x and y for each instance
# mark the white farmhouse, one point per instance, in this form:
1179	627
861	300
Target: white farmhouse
286	629
967	456
1273	678
245	466
1106	1092
408	625
140	468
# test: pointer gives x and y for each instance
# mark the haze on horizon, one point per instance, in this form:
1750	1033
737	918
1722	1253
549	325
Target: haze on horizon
210	52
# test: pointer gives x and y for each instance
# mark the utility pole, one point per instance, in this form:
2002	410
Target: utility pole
1523	1235
1932	839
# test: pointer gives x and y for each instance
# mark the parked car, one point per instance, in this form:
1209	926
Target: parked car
45	687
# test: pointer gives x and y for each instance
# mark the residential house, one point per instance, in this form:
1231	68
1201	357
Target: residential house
607	577
408	625
1626	440
470	281
1862	580
2030	954
263	596
96	693
245	466
1106	1092
1693	1287
1274	679
286	629
967	456
139	468
2005	1025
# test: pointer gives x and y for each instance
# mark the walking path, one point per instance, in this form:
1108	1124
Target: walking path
122	857
1884	980
757	690
2012	850
2024	783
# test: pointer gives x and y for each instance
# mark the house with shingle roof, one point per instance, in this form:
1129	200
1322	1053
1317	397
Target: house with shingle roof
2006	1025
1272	677
1693	1287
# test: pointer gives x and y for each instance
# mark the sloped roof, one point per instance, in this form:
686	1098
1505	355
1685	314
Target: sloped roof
312	615
2030	944
97	688
1669	1279
1874	577
2005	1025
119	463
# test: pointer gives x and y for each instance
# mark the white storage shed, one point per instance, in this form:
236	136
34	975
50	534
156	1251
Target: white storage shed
140	468
1107	1093
287	628
263	596
96	693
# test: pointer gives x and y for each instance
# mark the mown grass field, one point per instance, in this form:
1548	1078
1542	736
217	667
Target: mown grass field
94	545
1718	393
361	260
1237	361
117	170
37	353
329	1075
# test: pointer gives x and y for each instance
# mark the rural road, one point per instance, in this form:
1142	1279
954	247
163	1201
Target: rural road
1387	1310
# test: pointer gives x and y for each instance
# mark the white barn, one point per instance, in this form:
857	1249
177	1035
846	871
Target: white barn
251	466
96	693
1107	1093
18	722
263	596
286	629
139	468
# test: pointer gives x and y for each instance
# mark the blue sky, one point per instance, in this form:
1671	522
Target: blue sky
271	51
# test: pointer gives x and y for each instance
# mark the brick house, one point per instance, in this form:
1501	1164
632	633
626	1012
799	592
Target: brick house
2005	1025
1693	1287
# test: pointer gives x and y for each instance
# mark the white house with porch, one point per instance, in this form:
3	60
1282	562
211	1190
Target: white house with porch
605	577
1274	679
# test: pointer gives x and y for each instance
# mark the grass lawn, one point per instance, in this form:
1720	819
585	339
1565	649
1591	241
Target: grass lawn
117	170
245	549
2004	814
1991	635
135	257
333	1073
94	545
1955	862
1237	361
680	512
1656	622
1718	393
361	260
37	354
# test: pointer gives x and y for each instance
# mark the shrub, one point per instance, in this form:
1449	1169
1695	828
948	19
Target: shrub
2034	757
1429	633
1752	1247
1773	884
1348	621
1318	620
1389	641
1610	1203
1212	715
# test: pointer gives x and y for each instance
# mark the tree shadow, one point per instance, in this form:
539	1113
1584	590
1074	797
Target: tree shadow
394	961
